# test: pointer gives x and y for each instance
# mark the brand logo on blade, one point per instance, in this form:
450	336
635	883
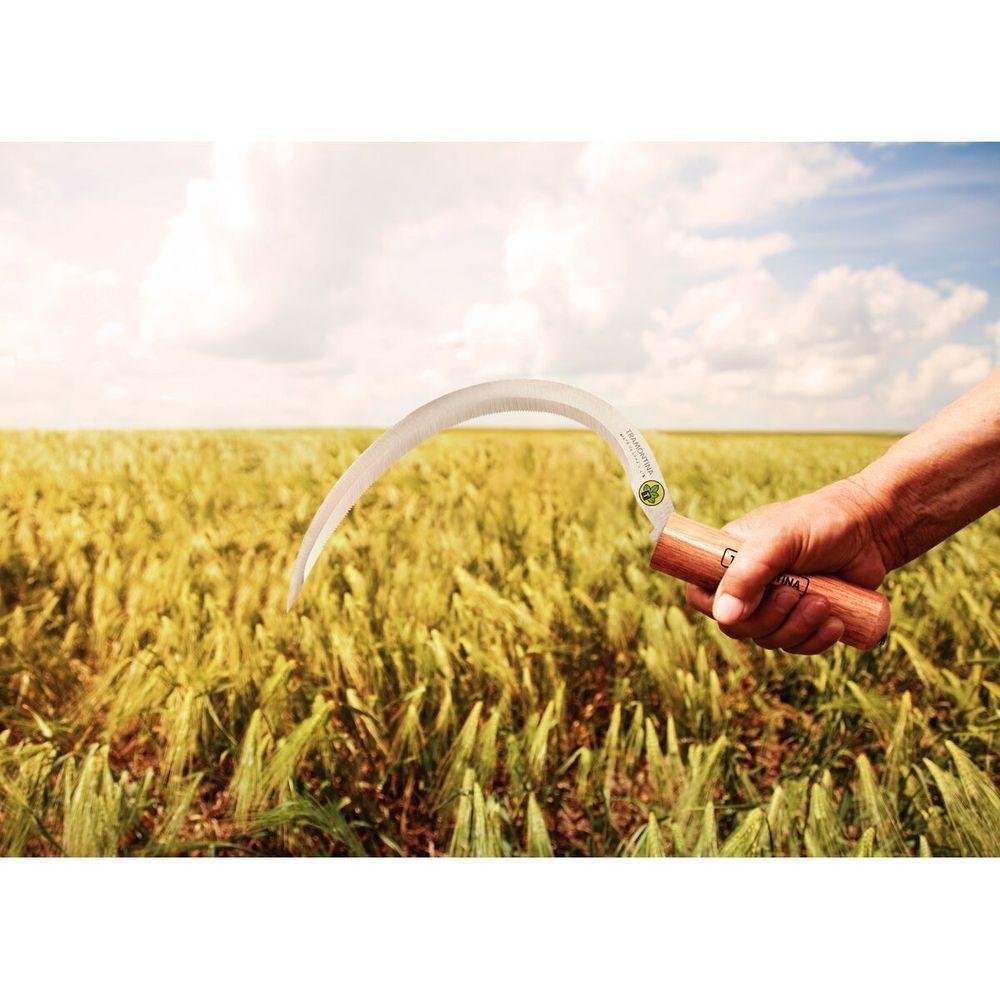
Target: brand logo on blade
651	492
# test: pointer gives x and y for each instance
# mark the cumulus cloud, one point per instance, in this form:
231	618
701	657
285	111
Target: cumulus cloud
501	341
942	374
61	332
324	284
846	320
839	339
699	186
993	331
282	251
50	307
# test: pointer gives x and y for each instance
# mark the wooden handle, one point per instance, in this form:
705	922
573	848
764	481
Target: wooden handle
698	554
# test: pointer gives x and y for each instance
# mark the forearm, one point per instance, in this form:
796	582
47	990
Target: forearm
939	478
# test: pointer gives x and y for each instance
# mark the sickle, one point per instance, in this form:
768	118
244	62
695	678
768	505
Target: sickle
684	548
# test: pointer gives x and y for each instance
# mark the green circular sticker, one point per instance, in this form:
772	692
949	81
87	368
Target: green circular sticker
651	492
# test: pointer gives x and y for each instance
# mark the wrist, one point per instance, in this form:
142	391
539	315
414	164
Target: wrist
882	513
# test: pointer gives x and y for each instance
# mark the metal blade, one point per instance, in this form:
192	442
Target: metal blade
446	411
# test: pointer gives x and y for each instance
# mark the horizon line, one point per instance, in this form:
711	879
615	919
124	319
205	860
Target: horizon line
458	427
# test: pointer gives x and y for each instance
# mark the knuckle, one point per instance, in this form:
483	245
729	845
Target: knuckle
767	642
809	648
763	622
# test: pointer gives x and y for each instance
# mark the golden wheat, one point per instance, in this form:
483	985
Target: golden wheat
480	665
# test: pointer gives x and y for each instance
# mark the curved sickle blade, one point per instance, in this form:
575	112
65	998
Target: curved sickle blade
506	396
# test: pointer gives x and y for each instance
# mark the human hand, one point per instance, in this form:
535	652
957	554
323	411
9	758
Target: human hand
832	531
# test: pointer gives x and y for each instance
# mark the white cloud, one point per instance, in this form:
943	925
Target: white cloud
699	186
840	310
943	374
750	181
501	341
707	254
993	330
49	307
279	252
345	284
538	249
198	287
838	341
282	252
882	304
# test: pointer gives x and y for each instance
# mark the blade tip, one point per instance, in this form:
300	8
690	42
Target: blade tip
293	592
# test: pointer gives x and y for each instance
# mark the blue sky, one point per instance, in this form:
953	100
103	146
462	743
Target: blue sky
772	286
934	210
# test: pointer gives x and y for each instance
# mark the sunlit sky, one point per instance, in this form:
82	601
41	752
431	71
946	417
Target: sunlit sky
764	286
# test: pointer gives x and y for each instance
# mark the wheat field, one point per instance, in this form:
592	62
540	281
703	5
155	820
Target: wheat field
481	663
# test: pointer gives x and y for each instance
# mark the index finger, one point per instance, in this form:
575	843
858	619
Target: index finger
759	560
699	598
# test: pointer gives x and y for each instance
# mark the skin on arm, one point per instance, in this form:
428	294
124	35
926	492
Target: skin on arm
924	488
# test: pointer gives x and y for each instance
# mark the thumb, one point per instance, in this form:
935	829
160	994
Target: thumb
760	558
